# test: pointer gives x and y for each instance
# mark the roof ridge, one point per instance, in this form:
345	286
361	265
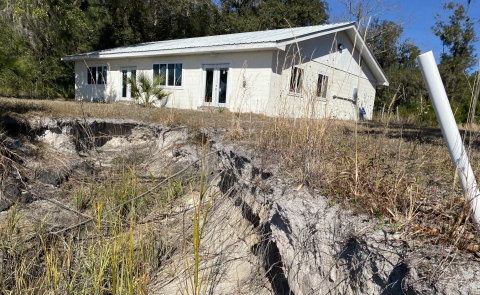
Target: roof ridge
253	37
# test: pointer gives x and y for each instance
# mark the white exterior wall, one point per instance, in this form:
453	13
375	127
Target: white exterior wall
253	67
258	81
320	56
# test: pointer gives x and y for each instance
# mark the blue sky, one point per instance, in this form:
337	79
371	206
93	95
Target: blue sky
418	17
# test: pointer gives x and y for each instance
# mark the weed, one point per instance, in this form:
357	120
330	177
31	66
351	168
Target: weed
81	198
197	282
116	256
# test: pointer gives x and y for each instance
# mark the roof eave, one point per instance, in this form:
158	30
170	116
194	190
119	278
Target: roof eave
295	39
180	51
368	56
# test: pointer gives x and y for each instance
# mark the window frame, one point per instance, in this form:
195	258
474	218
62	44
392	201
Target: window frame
319	89
101	74
297	89
167	73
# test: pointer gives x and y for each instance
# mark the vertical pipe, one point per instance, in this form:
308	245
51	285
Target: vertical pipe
445	118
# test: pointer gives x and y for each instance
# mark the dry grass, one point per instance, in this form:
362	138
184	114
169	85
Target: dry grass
402	175
394	172
114	254
169	117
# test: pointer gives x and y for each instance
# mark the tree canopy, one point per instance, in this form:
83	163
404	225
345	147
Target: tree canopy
458	58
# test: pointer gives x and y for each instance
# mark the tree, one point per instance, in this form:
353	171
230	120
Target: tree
397	59
383	40
34	35
14	65
254	15
49	29
458	38
360	11
174	19
125	22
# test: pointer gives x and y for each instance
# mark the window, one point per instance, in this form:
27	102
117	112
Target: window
97	75
169	74
322	86
296	80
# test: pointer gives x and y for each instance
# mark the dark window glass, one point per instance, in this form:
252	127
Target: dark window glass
99	75
322	86
296	80
222	90
170	74
92	75
124	83
163	74
208	85
89	75
160	72
178	74
104	75
355	94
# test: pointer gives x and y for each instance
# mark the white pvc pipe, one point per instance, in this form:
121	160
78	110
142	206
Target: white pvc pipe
444	113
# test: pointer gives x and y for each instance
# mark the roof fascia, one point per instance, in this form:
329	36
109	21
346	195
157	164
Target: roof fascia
181	51
362	47
295	39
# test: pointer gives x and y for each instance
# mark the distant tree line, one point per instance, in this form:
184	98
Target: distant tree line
397	56
35	34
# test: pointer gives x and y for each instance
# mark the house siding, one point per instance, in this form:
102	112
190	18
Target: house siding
258	81
319	56
253	67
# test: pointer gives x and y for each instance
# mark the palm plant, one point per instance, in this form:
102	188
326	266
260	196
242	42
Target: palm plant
147	91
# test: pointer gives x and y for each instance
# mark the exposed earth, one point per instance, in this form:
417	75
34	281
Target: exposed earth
264	235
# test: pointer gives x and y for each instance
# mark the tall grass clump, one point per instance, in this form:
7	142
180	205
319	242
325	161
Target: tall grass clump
197	281
113	254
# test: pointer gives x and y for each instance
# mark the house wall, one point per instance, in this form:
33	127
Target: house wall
85	91
259	80
252	67
320	56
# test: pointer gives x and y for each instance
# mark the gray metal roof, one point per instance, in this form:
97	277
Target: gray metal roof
241	41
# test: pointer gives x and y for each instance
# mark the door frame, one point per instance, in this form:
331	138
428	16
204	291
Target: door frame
129	70
216	79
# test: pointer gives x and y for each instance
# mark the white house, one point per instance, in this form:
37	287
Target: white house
314	71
